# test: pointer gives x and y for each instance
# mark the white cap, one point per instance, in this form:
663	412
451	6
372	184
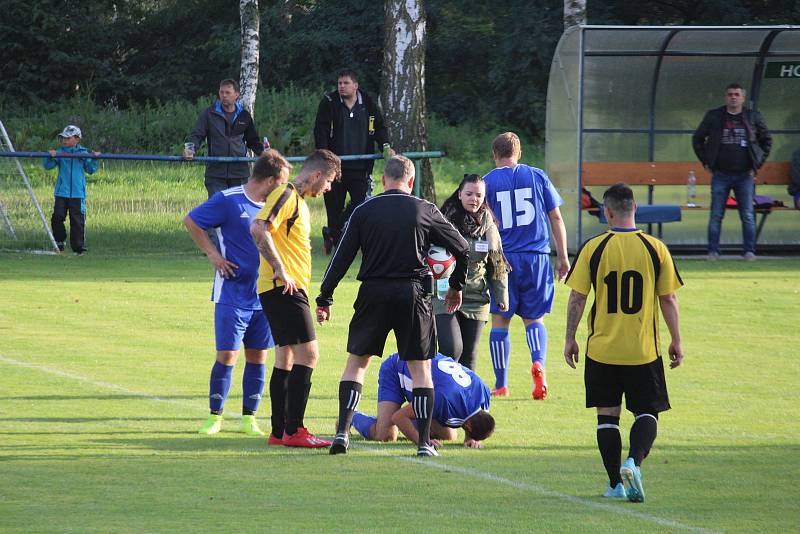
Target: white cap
71	131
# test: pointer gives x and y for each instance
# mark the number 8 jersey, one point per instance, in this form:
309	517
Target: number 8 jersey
628	270
521	197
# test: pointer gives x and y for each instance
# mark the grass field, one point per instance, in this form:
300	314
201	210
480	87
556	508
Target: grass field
104	363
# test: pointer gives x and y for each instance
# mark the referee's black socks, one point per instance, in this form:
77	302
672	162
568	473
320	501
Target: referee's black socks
609	443
422	403
643	434
349	396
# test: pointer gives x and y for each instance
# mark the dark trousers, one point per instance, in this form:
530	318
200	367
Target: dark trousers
458	337
77	223
358	184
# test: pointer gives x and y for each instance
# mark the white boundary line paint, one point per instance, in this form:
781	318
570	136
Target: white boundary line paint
429	463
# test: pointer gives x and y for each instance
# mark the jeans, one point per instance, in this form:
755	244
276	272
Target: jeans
743	188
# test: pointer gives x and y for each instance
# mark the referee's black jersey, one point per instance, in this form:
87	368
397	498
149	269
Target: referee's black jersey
393	230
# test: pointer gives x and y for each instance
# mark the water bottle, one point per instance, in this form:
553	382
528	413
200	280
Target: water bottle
442	285
691	189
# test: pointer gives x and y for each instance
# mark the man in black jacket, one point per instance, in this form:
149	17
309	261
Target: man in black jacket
393	230
230	131
732	142
348	122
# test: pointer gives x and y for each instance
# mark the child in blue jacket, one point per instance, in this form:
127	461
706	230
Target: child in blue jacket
70	191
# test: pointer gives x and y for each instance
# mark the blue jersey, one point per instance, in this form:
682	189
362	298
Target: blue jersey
229	212
458	392
521	198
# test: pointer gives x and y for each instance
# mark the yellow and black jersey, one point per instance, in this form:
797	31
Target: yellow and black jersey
289	224
628	270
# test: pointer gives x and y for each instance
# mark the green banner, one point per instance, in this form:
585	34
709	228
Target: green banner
783	69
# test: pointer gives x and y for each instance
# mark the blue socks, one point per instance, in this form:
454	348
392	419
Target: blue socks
219	385
536	334
499	350
363	423
252	387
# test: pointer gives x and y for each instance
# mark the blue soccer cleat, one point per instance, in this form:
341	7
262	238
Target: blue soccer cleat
632	476
617	492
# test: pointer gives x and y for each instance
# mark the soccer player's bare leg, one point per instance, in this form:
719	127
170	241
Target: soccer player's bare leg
350	388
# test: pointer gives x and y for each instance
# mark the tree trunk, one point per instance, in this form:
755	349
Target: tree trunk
248	76
403	87
574	13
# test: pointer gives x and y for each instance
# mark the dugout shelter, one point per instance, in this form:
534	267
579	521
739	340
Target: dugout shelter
623	102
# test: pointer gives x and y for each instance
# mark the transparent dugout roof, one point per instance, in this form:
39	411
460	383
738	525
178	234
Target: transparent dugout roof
637	93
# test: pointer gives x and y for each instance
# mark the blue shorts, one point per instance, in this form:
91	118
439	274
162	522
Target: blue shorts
232	326
530	286
390	387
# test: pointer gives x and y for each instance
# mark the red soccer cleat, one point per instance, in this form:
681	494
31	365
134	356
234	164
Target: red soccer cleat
273	440
539	382
303	438
501	392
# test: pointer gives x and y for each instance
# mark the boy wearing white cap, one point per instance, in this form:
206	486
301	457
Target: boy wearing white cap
70	190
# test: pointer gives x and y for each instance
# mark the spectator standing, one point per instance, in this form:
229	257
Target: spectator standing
733	142
70	189
348	122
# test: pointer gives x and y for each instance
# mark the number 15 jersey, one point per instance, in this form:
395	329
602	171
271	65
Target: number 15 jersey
521	197
628	270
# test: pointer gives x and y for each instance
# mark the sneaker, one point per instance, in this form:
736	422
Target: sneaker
272	440
61	246
749	256
617	492
80	252
340	444
249	426
539	381
501	392
632	476
304	438
713	256
427	450
212	425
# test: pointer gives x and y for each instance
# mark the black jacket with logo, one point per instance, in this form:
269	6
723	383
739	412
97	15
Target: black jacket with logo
226	139
337	131
708	136
394	231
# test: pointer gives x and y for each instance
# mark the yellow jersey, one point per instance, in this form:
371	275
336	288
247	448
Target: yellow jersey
628	270
289	224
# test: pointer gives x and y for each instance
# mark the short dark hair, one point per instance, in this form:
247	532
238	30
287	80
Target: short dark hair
270	164
399	168
325	161
231	82
735	86
619	197
347	73
480	426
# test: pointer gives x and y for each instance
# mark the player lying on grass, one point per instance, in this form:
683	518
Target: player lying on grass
461	401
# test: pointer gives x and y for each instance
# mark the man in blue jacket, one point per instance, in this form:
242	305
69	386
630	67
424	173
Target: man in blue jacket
229	130
70	190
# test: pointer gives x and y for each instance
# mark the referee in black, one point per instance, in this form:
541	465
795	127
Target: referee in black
393	230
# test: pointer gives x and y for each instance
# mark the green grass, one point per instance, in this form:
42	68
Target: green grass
104	363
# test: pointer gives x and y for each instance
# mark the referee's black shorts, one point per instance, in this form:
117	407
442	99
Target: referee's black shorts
644	386
402	305
289	316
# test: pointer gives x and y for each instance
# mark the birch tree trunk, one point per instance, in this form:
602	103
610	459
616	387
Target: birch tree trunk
574	13
248	75
403	87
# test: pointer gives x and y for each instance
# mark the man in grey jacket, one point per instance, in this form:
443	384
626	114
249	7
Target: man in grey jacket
229	131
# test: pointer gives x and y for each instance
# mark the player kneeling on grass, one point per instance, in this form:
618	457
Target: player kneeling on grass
237	311
461	401
631	272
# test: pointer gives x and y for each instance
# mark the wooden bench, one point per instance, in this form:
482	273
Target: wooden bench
652	174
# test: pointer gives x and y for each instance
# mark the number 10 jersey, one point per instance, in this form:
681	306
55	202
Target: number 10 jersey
628	270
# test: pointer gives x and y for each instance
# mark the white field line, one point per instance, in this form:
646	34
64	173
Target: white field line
426	462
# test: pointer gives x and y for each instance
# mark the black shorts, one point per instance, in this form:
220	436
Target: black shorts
644	386
289	316
401	305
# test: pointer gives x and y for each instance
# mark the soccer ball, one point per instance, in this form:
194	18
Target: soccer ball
441	262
